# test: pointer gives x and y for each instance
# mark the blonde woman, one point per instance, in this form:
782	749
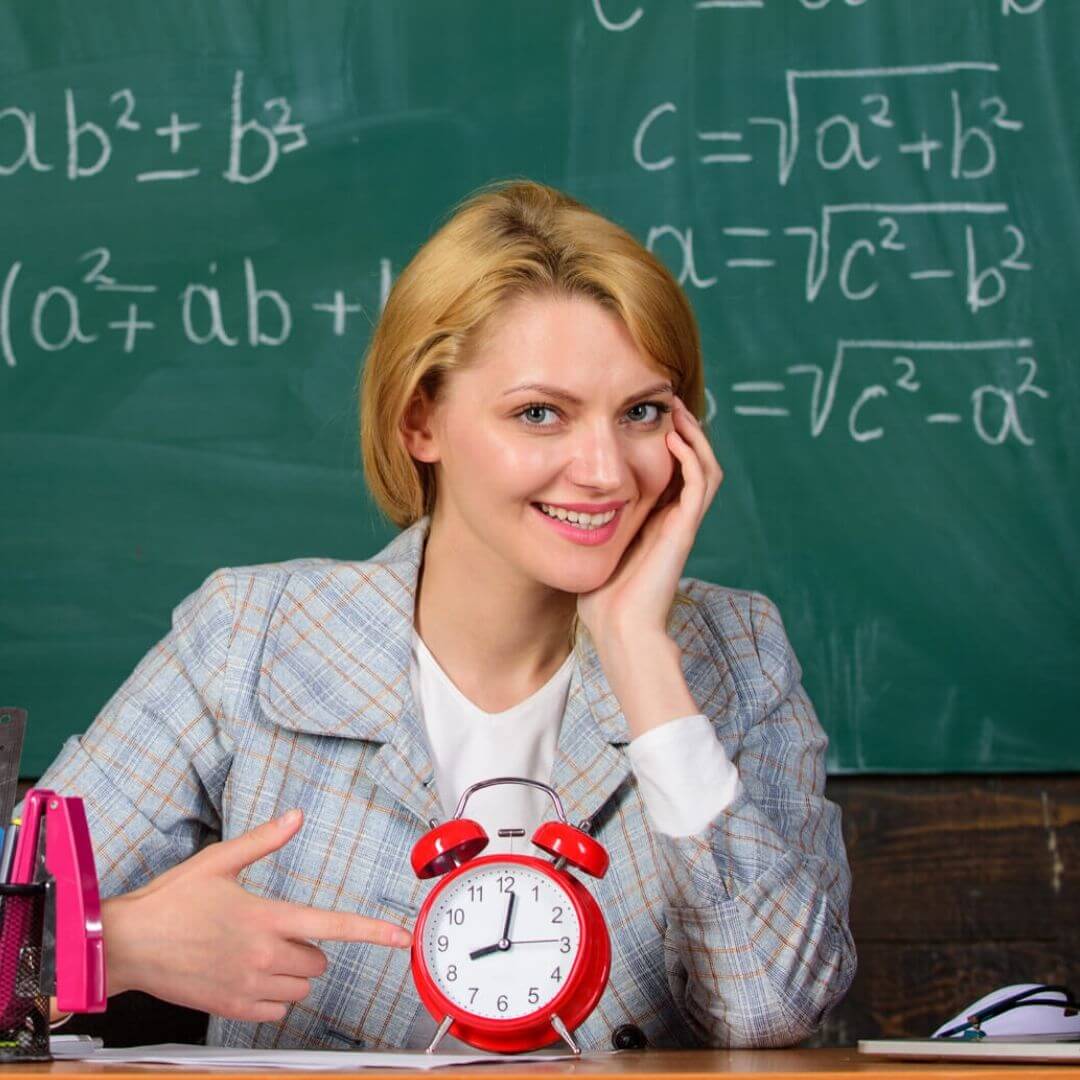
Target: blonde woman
528	408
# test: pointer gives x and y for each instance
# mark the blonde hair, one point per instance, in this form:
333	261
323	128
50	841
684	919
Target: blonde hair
510	239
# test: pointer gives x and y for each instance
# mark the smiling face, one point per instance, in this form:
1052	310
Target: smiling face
500	451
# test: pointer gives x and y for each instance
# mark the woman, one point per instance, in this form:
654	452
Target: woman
532	356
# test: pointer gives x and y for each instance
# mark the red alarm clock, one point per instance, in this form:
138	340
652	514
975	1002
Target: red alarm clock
510	952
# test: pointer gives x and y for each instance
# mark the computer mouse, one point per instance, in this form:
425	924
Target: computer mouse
1021	1019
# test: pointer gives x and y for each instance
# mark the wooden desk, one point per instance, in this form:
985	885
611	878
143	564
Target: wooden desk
640	1064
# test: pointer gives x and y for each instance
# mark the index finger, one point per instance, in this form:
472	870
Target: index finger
694	434
301	921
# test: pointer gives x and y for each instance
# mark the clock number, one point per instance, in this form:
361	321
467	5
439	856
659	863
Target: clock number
565	947
476	892
556	914
534	995
557	975
473	991
502	1004
451	973
457	916
443	942
536	892
506	882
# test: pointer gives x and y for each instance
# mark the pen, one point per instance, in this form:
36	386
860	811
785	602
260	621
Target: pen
11	835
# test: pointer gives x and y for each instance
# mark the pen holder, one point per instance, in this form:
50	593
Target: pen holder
24	1012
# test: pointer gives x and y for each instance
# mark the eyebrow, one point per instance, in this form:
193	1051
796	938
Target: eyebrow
564	395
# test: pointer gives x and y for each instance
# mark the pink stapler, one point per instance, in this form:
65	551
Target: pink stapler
53	846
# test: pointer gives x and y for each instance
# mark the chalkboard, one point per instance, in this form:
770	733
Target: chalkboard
874	207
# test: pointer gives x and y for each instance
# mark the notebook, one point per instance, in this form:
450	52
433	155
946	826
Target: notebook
1036	1048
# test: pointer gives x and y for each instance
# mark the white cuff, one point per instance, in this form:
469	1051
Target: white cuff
685	777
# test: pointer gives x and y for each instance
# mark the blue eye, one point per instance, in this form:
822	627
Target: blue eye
534	408
540	406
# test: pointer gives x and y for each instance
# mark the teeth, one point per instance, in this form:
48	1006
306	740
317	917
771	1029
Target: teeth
584	521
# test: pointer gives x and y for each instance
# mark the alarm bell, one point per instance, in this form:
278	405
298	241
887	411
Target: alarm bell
458	840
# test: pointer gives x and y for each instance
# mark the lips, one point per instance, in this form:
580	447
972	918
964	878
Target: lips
584	508
608	507
588	537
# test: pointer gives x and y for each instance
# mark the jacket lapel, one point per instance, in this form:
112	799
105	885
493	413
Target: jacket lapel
337	663
590	764
402	766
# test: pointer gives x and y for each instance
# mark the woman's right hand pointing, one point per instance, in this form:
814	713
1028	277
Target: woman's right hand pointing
194	936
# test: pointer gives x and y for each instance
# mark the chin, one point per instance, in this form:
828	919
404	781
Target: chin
573	580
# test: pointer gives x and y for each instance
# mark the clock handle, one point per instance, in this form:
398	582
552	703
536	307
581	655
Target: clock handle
456	841
523	780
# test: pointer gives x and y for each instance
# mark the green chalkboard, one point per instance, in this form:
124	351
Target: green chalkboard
874	207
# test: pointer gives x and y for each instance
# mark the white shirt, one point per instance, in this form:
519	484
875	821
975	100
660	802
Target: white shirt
684	775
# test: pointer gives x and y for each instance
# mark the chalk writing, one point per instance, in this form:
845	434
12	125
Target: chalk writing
962	144
253	143
993	409
55	319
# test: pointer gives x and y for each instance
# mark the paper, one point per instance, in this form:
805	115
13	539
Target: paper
72	1047
337	1060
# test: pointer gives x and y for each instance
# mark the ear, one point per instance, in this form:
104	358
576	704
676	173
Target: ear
418	428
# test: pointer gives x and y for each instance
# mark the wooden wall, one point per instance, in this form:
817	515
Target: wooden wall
961	884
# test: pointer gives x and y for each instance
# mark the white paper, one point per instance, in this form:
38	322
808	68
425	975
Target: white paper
72	1047
338	1060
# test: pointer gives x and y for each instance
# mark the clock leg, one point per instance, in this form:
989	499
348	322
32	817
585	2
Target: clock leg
444	1027
564	1033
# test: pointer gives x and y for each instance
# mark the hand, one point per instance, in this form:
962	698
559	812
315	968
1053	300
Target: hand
509	916
639	593
487	949
194	936
504	942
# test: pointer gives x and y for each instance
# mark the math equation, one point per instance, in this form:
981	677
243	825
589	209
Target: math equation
946	128
928	145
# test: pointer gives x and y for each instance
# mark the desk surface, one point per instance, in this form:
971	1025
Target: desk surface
642	1065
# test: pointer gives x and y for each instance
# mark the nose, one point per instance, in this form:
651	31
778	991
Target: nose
598	458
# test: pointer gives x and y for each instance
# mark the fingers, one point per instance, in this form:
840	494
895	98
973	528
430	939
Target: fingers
284	988
697	438
263	1012
278	975
231	856
300	921
300	958
270	1009
702	459
257	996
693	474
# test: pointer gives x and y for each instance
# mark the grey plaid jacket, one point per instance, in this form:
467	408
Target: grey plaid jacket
286	684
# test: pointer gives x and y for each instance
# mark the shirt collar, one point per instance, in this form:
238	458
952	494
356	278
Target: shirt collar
336	663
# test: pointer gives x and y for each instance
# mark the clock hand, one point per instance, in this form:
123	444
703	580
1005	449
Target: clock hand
509	915
504	942
487	949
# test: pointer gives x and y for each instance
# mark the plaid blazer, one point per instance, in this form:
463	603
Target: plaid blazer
286	684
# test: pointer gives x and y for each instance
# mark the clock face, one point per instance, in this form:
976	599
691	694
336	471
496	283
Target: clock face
478	968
